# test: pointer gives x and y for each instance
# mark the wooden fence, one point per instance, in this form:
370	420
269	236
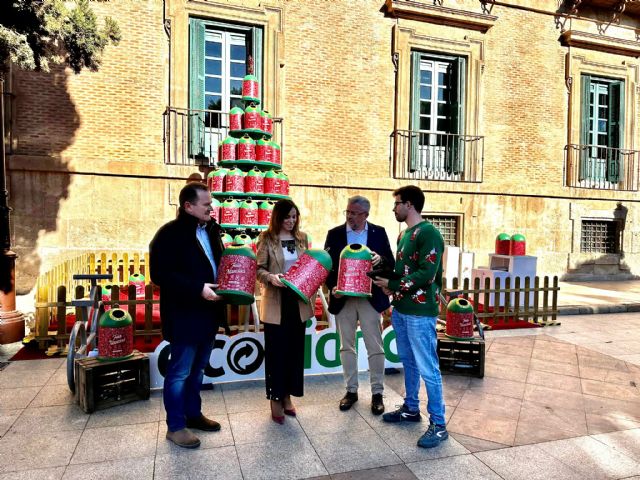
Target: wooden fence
498	306
56	288
502	306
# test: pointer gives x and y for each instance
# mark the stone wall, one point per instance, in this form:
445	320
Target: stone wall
87	162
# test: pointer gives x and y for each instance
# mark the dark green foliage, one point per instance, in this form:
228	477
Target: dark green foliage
35	33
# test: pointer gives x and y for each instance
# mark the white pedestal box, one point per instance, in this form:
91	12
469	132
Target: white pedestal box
484	272
518	266
466	267
450	264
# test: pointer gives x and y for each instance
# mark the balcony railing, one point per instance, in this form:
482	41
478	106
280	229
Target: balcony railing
447	157
601	168
191	136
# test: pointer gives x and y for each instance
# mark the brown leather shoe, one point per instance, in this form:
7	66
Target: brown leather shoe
203	423
183	438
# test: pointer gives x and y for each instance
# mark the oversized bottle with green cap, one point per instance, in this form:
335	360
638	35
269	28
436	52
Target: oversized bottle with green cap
518	245
235	118
252	119
355	262
250	89
248	213
228	153
237	275
459	319
230	212
264	150
215	179
308	273
502	244
247	148
115	335
254	181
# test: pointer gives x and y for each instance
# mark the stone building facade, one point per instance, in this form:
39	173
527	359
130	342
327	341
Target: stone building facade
518	116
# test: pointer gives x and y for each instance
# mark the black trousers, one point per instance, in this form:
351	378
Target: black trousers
284	350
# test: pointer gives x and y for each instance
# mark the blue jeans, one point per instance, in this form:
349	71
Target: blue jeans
417	347
182	383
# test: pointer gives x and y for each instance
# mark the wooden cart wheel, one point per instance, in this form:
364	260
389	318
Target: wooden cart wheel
77	341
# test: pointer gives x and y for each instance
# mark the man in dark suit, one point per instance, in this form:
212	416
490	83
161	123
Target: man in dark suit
351	310
184	258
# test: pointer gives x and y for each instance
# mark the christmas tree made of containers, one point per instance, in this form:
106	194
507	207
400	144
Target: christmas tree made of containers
248	176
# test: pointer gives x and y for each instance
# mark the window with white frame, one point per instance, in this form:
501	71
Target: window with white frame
437	118
219	55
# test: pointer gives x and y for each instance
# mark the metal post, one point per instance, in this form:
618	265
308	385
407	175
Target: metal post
11	321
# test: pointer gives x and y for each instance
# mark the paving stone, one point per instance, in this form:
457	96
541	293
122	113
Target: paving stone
47	419
554	398
626	442
483	425
50	395
613	391
328	418
278	460
505	372
475	444
356	451
554	380
116	443
391	472
14	398
129	468
7	419
24	378
38	474
462	467
245	397
256	427
527	463
216	463
591	457
608	423
501	406
498	386
43	449
32	365
141	411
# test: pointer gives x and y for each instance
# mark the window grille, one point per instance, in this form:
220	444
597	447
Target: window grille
600	236
449	227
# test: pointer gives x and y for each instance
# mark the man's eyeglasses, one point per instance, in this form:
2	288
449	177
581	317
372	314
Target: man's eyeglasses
395	204
350	212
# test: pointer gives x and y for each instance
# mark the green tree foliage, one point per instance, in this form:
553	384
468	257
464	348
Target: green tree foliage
37	33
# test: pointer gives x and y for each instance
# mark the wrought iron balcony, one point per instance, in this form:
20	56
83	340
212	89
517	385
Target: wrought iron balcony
447	157
601	168
191	136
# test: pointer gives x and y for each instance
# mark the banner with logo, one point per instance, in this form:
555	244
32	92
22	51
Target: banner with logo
241	357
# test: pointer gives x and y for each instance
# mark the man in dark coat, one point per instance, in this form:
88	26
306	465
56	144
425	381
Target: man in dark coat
351	310
184	258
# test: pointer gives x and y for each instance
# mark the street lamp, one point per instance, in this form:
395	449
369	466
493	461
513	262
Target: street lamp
11	321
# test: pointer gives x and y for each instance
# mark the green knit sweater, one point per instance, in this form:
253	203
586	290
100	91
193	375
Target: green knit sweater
419	261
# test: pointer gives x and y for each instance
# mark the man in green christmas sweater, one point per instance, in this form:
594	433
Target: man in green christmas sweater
415	302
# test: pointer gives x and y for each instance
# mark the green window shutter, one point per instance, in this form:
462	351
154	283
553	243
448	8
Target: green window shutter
414	126
256	53
585	87
454	162
196	85
615	132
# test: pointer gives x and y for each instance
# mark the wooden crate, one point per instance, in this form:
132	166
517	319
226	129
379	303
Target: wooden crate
460	356
106	384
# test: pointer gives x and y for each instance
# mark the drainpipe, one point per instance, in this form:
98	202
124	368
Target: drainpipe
11	321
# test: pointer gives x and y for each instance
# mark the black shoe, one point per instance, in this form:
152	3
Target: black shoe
377	406
403	414
348	400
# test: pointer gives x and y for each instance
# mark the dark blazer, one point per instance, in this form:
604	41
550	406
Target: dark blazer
378	242
179	266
